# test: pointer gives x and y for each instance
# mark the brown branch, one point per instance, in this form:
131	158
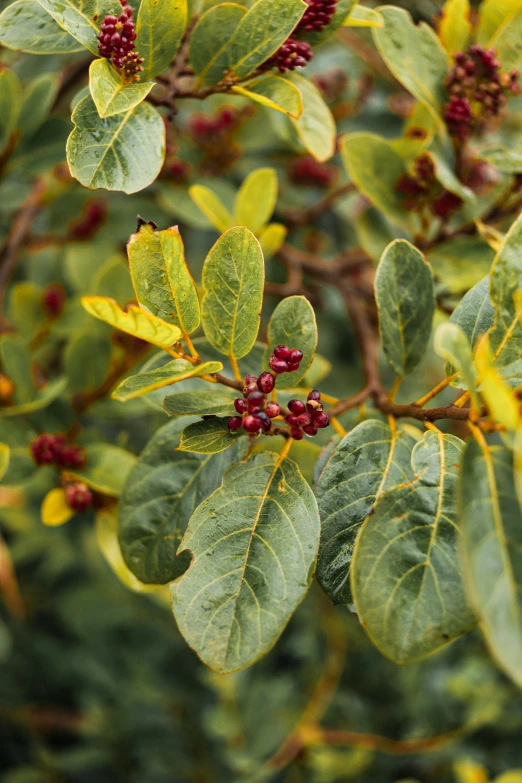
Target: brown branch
302	217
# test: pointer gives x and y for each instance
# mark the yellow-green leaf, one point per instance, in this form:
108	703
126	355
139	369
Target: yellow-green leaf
455	26
161	277
271	238
82	19
363	17
275	93
5	454
136	321
210	39
492	15
55	510
27	27
256	199
453	345
233	278
316	125
172	372
500	399
10	102
212	207
110	94
159	30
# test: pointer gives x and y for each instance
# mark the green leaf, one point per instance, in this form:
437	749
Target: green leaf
161	277
460	263
293	323
110	94
375	168
86	359
368	461
493	15
161	493
172	372
200	403
502	403
212	207
208	436
82	18
406	575
43	398
455	26
233	277
415	57
406	304
363	17
492	533
504	283
17	365
506	159
453	345
256	199
210	39
106	469
159	30
507	42
475	313
275	93
343	9
254	543
122	152
5	453
10	100
135	321
260	33
26	26
38	100
316	125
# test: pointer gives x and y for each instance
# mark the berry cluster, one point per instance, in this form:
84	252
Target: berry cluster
47	449
255	412
285	359
78	496
53	300
318	14
306	417
421	191
310	173
91	220
477	90
331	84
206	127
116	42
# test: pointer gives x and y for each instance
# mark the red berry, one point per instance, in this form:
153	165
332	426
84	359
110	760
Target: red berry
254	401
278	365
295	356
273	410
293	366
314	407
234	423
296	406
314	395
310	173
266	382
79	496
281	352
43	449
310	429
70	456
292	420
250	379
53	300
304	419
291	54
252	424
297	433
265	421
240	405
250	387
446	204
318	15
321	420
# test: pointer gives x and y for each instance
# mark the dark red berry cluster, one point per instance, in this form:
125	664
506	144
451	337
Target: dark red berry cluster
422	192
310	173
331	84
255	412
93	217
477	90
306	417
318	14
53	300
285	359
205	128
116	42
78	496
49	449
291	55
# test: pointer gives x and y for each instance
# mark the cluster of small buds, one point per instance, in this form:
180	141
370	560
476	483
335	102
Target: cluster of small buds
116	42
290	55
285	359
422	191
331	84
477	90
53	300
318	14
177	169
310	173
93	217
49	449
206	127
306	418
255	413
78	496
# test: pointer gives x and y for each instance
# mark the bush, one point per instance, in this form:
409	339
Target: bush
290	409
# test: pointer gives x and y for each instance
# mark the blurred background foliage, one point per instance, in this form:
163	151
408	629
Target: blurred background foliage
96	684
